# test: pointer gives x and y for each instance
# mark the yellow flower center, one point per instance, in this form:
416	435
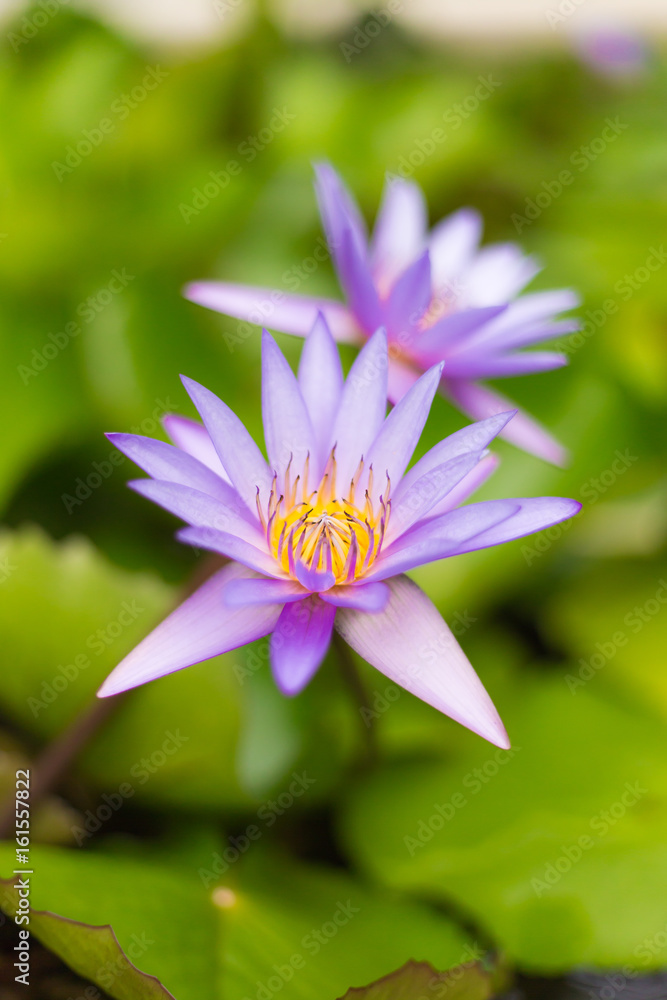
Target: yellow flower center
324	529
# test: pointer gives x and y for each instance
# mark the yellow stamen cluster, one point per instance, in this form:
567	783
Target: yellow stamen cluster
322	529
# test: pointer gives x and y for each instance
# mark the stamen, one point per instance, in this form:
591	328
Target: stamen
270	526
322	530
281	540
260	512
351	562
286	483
304	481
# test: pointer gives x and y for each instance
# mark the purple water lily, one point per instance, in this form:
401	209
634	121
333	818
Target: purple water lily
322	535
439	297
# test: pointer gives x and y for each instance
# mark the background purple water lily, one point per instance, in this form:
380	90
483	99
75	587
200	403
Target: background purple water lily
322	535
438	295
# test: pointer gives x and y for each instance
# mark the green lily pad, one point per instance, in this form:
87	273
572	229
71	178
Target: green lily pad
416	979
92	952
557	847
270	921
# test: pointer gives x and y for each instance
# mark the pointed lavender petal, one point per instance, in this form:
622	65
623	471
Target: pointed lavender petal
200	509
427	492
193	438
498	273
480	402
528	320
164	461
262	590
362	408
474	365
452	245
231	546
538	306
409	299
400	231
434	343
198	629
467	529
397	439
411	644
370	597
468	485
321	384
238	452
473	438
357	283
530	333
299	643
313	580
288	431
274	308
400	378
338	210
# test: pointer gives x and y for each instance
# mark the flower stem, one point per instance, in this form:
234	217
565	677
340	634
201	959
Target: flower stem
54	761
357	688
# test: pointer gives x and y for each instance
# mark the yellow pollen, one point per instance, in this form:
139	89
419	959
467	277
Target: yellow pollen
325	529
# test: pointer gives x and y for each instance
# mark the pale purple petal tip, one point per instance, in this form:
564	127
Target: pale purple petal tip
275	308
288	431
412	645
400	230
299	643
198	629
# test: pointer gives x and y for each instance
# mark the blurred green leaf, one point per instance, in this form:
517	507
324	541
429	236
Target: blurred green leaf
557	847
92	952
195	738
314	931
614	626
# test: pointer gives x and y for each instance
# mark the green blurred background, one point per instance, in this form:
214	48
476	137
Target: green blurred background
567	630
